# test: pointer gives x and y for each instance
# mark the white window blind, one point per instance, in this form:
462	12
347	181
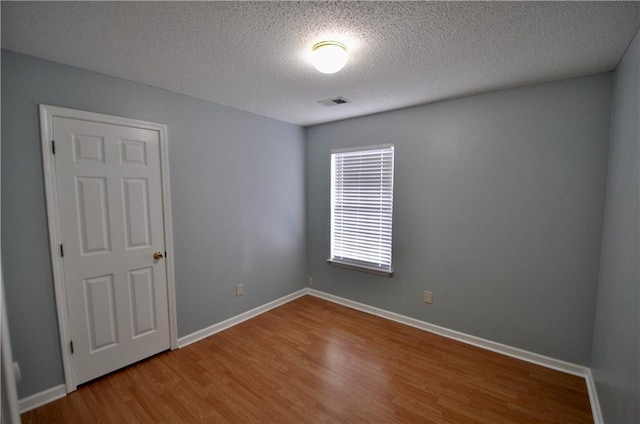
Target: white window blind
362	208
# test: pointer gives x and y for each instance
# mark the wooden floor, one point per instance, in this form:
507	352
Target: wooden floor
314	361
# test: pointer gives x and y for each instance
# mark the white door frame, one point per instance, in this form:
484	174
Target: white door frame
8	370
47	113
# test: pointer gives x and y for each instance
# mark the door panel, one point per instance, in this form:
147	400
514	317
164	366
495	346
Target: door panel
93	214
101	312
143	307
88	148
136	212
111	218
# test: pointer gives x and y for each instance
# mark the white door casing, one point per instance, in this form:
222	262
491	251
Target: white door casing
108	206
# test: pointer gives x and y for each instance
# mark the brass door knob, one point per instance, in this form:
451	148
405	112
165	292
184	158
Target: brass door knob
158	256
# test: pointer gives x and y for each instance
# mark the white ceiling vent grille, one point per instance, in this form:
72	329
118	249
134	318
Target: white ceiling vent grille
334	102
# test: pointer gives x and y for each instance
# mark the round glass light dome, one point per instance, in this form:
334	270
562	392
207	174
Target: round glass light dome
329	56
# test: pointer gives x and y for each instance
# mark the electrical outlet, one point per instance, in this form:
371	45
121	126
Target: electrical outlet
309	281
428	297
239	289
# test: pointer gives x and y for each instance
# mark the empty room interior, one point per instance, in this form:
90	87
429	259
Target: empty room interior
320	212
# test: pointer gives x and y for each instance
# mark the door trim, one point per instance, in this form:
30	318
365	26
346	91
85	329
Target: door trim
47	113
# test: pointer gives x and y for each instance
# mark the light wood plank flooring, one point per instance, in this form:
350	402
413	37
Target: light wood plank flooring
315	361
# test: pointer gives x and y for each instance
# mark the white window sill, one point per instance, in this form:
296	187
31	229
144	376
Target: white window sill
362	268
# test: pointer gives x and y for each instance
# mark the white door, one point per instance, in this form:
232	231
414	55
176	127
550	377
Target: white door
111	224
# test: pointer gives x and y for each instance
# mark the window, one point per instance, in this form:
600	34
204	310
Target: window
362	208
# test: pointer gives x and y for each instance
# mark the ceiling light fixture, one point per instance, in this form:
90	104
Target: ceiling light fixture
329	56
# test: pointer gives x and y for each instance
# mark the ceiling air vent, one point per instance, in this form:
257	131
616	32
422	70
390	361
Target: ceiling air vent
334	101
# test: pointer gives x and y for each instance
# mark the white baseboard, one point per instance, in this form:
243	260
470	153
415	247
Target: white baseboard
57	392
513	352
42	398
535	358
593	398
216	328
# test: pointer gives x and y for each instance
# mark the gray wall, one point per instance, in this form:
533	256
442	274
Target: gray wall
237	186
499	210
616	341
499	202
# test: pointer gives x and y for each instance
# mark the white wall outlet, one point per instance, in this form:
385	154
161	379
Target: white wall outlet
310	281
239	289
428	297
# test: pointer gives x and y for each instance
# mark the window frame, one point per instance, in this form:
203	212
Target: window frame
353	263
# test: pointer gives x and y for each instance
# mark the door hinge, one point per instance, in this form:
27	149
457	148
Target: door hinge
61	251
165	253
71	343
53	147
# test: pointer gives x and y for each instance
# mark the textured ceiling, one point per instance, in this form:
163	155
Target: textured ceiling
253	55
